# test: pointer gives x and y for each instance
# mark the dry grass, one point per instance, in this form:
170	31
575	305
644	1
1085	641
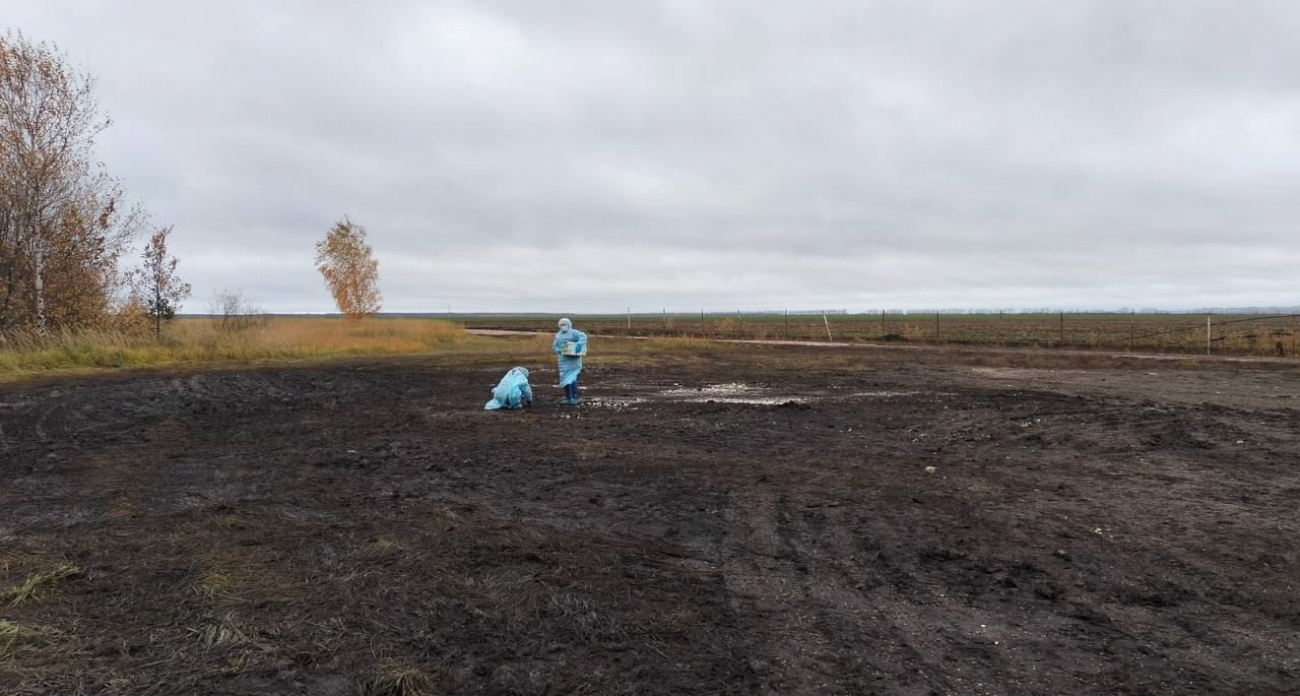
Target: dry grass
15	637
1232	334
37	583
11	632
395	679
201	343
215	585
197	341
679	620
679	343
384	547
221	632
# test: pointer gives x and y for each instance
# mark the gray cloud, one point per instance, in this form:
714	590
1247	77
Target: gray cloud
588	155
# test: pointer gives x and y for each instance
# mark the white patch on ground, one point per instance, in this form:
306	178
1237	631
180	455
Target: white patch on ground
755	400
616	403
1013	372
730	393
714	390
885	394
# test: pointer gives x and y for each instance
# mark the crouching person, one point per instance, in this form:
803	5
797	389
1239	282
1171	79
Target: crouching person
512	392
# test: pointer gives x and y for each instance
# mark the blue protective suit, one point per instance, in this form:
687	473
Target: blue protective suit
570	366
513	391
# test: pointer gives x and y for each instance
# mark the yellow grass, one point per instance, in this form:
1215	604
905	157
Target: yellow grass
15	638
202	341
38	583
396	679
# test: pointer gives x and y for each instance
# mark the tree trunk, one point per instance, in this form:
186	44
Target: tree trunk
11	285
38	282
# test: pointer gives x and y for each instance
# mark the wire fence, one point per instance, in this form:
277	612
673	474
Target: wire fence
1272	335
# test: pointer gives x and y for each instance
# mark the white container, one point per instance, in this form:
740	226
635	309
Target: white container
569	349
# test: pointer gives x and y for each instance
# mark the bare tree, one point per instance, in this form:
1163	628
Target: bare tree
62	229
162	290
350	270
232	312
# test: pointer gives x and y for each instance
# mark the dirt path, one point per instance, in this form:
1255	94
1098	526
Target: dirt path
754	522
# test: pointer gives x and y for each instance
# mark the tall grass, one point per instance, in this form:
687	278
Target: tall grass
204	341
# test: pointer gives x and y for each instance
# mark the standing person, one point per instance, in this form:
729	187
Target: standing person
570	345
512	392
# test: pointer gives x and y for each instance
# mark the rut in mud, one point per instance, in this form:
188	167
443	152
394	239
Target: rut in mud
755	523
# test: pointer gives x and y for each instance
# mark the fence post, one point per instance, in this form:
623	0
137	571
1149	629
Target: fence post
828	327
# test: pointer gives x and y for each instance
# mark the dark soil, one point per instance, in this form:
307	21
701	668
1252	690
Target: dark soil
318	530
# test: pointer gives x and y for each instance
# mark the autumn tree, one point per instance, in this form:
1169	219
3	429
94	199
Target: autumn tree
160	288
63	228
350	270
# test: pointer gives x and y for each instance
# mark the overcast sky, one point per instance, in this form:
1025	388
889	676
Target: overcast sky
590	155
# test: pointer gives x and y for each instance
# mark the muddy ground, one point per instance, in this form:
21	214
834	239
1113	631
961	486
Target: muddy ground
353	528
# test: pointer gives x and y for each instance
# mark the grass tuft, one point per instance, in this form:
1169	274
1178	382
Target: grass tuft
679	620
223	632
395	679
37	583
15	637
11	631
215	585
384	547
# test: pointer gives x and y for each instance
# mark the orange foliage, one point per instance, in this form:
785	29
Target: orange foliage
346	262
